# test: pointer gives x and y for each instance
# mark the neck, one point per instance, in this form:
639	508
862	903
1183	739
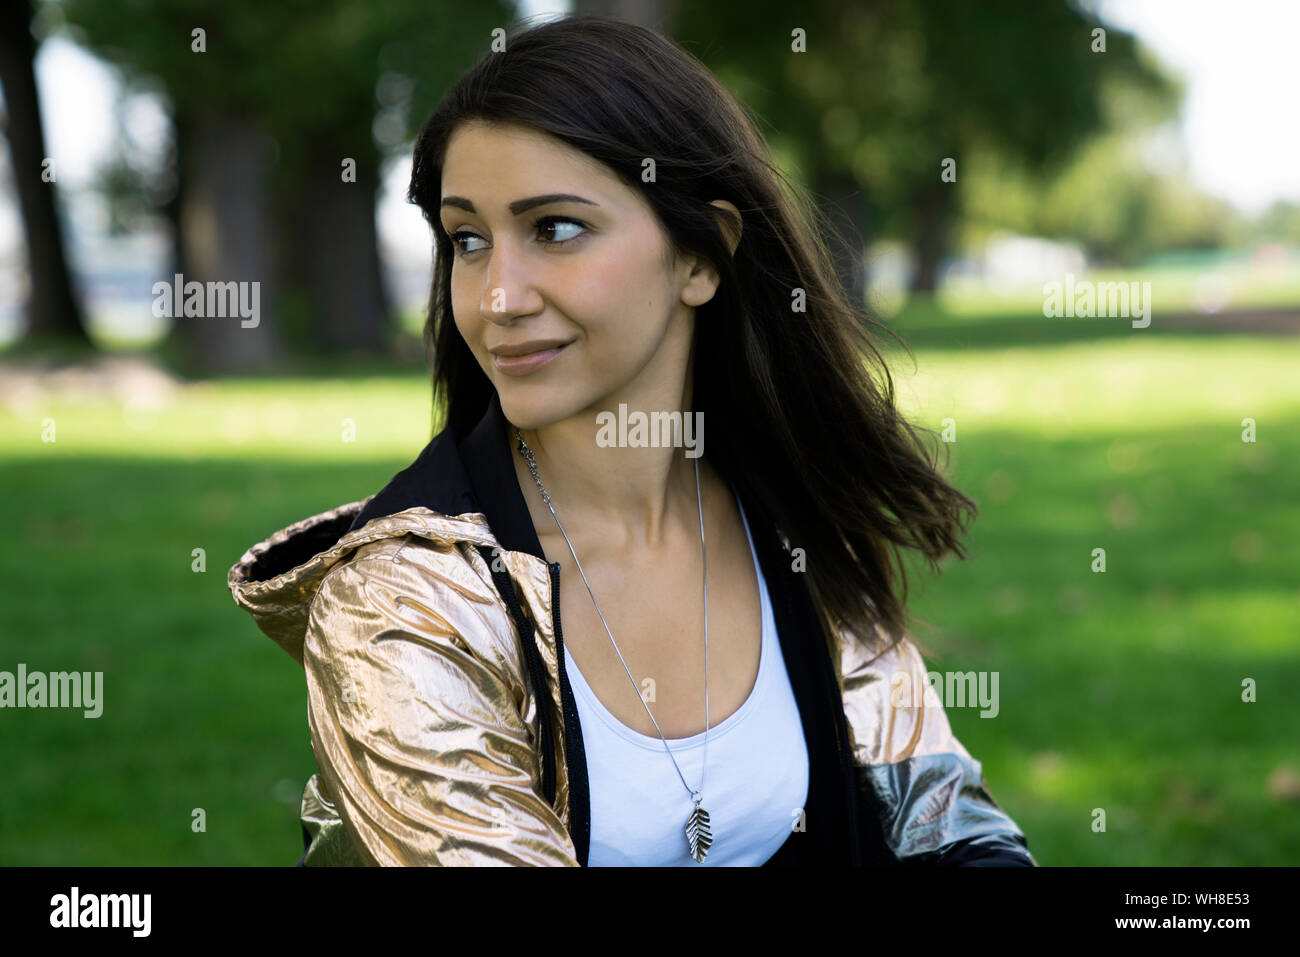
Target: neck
635	496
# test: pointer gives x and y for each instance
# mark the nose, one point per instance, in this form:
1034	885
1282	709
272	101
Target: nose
507	286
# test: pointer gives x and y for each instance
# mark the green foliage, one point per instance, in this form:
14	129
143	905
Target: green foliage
888	91
301	65
1281	223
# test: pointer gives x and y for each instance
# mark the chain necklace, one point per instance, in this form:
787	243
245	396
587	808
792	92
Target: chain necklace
699	835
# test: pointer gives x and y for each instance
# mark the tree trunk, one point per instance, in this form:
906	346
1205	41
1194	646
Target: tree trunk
226	231
53	309
181	126
331	254
931	211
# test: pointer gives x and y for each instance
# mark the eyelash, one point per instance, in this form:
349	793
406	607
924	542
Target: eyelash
537	223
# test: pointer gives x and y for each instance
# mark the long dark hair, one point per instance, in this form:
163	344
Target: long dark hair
796	417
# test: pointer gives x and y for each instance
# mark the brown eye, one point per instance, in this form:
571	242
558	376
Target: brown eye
550	222
457	237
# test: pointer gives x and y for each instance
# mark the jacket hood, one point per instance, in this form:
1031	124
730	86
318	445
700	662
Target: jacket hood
461	488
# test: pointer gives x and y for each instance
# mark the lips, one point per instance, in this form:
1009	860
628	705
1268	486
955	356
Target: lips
538	354
526	348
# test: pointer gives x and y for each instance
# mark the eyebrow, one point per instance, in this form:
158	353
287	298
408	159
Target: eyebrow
520	205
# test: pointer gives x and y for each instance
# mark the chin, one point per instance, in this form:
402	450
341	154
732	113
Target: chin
535	406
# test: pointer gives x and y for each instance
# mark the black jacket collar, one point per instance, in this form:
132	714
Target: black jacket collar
459	473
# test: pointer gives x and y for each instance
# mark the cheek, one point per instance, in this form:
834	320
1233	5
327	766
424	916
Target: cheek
623	293
634	271
463	311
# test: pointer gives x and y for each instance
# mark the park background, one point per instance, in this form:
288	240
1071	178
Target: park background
1163	150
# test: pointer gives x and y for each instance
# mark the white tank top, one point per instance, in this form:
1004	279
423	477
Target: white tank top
757	779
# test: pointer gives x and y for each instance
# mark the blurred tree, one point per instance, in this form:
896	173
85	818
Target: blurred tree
887	91
1124	195
53	309
282	116
1280	223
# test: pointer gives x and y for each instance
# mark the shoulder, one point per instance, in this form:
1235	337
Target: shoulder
413	597
892	712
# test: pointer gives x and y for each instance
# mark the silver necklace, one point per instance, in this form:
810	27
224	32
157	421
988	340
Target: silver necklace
699	835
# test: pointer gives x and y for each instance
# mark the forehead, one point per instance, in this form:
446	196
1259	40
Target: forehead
494	163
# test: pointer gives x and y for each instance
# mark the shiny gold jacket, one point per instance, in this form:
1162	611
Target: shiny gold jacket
444	727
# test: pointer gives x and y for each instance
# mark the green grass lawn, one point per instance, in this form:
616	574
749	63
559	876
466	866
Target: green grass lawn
1118	690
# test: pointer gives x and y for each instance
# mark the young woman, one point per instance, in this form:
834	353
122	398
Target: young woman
653	392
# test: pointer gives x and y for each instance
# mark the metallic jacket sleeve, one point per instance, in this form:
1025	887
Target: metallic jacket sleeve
931	796
415	717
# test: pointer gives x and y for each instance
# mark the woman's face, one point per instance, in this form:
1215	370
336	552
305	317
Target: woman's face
589	273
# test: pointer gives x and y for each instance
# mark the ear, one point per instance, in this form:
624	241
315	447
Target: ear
704	279
731	222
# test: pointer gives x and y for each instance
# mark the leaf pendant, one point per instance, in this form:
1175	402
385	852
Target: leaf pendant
698	834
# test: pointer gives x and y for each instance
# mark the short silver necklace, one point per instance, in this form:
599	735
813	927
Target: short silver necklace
699	836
